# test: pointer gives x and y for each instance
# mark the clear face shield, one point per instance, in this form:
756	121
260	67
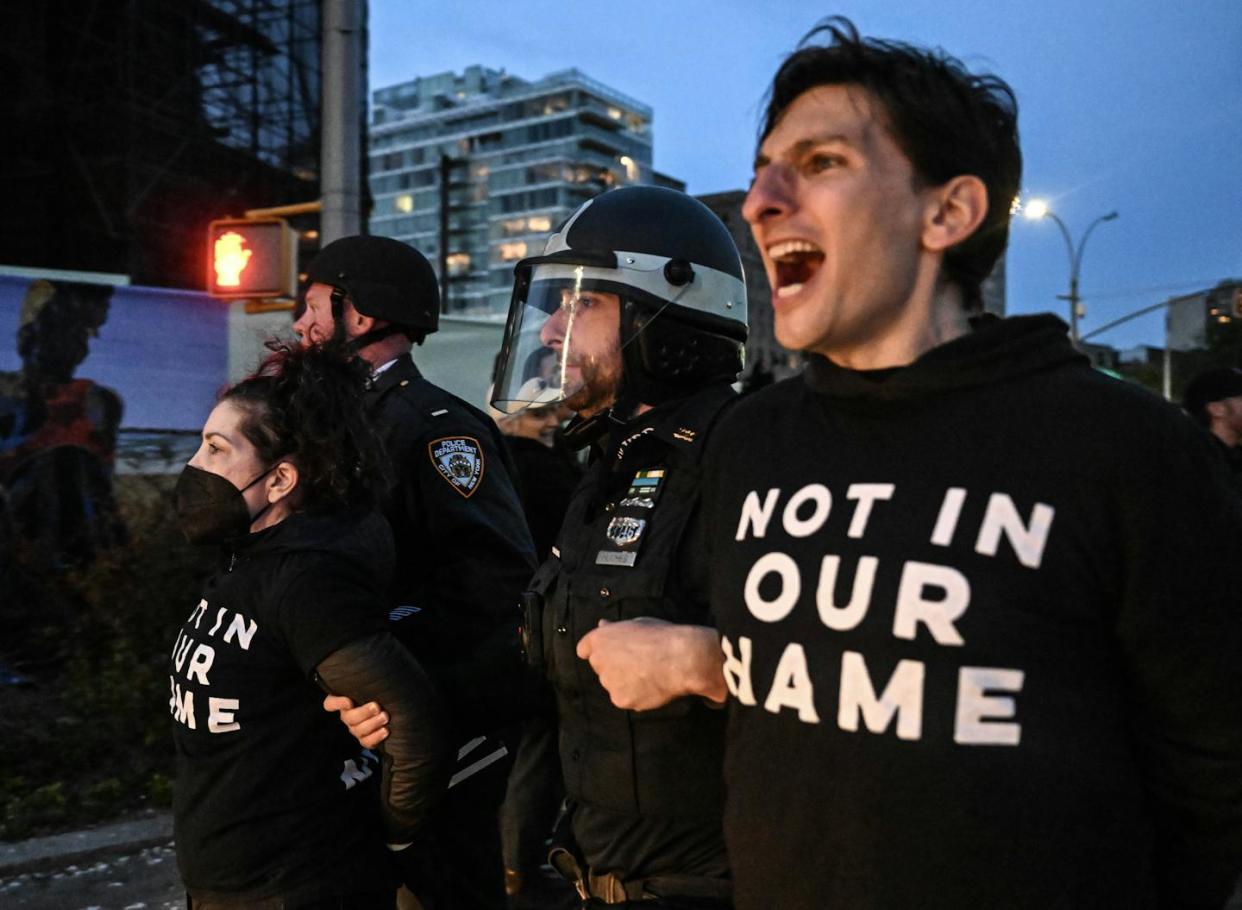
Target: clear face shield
562	344
565	334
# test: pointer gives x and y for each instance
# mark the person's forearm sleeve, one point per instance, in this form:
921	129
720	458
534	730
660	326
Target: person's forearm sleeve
415	756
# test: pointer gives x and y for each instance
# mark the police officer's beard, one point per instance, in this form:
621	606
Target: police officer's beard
600	378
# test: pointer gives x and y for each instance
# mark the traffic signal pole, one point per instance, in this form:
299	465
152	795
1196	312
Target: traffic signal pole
255	258
340	172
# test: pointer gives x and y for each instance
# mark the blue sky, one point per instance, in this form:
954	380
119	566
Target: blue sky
1127	105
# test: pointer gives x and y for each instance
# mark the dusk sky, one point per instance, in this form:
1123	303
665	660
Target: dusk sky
1126	105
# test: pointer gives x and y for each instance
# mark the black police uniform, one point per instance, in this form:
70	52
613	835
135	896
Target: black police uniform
646	788
548	478
464	555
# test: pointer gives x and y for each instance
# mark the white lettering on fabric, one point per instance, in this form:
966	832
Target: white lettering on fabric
950	512
220	715
821	501
242	629
200	662
867	494
193	661
914	606
756	515
902	697
1027	540
737	670
791	587
181	648
351	774
927	606
842	619
979	714
181	704
791	686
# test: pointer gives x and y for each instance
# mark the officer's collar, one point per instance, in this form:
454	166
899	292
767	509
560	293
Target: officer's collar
678	424
379	370
400	369
683	422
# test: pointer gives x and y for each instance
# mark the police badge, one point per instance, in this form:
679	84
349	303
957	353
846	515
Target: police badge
624	531
459	459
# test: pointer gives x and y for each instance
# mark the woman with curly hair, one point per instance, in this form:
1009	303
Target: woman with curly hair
275	805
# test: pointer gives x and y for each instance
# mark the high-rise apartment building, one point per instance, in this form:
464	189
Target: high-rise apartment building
1191	318
476	168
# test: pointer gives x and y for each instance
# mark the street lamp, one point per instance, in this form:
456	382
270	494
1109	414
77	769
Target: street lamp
1036	210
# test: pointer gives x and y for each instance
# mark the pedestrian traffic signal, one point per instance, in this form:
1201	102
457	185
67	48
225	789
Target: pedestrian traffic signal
251	259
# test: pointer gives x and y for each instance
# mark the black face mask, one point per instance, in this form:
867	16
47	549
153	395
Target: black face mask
210	509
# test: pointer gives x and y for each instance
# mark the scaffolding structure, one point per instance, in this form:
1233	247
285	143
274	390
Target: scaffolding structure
260	85
139	121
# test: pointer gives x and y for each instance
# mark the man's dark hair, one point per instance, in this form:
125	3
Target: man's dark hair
947	121
306	405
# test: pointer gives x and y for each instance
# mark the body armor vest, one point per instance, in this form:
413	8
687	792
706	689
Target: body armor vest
620	557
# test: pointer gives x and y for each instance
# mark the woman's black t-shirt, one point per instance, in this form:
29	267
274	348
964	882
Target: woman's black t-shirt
273	796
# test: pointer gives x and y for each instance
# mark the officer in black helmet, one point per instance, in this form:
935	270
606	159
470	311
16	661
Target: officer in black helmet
460	535
635	317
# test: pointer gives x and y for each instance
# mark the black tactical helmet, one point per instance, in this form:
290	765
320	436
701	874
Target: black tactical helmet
678	274
383	278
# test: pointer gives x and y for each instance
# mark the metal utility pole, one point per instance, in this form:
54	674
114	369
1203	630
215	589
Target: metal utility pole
340	172
1036	210
446	172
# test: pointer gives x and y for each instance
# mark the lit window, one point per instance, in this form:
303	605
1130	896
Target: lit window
512	251
458	263
514	226
615	113
540	223
631	168
404	203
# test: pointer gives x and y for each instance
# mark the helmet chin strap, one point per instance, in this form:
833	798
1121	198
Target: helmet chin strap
356	344
628	401
359	342
584	431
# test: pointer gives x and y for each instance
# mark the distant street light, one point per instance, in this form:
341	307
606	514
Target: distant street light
1036	210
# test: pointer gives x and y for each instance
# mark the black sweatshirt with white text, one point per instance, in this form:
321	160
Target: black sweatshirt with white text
982	618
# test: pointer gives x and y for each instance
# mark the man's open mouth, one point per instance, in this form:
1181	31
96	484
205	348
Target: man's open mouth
796	262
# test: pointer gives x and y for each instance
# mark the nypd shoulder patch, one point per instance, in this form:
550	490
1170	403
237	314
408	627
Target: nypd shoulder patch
459	460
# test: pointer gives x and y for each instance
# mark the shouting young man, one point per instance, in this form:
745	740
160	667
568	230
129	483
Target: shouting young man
979	640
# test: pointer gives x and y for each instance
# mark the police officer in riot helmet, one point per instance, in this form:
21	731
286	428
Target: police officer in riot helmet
463	549
661	267
634	317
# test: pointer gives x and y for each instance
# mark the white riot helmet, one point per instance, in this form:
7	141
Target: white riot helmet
677	272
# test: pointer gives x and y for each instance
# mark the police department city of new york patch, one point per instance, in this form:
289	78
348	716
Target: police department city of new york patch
459	459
